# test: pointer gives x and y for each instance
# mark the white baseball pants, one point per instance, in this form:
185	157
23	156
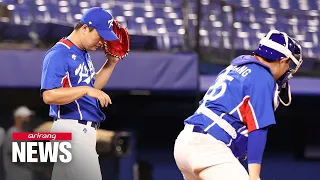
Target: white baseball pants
84	164
202	157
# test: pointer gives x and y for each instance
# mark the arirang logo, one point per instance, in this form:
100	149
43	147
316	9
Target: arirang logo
29	147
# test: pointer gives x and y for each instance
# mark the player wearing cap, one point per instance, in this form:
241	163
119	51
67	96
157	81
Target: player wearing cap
12	170
234	116
72	88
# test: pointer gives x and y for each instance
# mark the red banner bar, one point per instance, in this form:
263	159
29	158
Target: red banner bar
43	136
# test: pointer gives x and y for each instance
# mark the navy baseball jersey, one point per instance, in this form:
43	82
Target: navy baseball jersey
65	65
240	101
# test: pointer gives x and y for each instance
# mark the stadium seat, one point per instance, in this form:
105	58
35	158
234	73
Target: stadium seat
21	15
164	18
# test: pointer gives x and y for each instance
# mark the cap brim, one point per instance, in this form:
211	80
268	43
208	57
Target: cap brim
30	113
108	35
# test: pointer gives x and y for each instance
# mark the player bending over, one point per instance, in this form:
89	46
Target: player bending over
236	112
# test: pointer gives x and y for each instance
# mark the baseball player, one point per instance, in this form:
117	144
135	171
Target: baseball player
73	89
233	118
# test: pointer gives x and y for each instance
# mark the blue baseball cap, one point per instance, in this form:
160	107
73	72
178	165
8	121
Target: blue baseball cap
101	20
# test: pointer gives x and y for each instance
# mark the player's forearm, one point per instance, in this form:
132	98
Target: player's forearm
62	96
254	171
256	144
104	74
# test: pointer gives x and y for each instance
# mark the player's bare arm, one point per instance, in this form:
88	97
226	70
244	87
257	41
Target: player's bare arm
254	171
61	96
103	75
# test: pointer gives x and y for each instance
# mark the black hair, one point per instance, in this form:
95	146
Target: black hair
80	24
268	60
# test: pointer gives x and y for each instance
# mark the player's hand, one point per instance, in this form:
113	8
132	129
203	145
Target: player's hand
103	98
112	59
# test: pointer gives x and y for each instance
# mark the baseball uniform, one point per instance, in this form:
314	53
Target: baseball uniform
65	65
233	118
237	103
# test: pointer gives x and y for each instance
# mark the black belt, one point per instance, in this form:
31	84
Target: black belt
198	129
93	124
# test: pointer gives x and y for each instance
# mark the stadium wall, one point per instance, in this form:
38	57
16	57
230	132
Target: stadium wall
167	85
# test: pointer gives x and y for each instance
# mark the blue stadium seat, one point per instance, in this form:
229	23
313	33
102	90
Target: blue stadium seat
151	24
158	1
215	38
22	14
312	37
9	1
293	4
264	29
274	4
164	18
134	26
255	3
117	11
138	11
75	9
158	12
42	16
139	1
241	15
280	26
313	5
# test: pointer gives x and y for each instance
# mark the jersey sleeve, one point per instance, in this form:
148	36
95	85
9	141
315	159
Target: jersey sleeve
54	70
256	110
256	144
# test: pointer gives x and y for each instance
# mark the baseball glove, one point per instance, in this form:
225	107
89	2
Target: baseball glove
118	48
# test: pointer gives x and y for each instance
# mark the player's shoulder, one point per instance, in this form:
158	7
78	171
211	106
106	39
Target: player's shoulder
64	45
259	71
58	51
251	69
261	79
